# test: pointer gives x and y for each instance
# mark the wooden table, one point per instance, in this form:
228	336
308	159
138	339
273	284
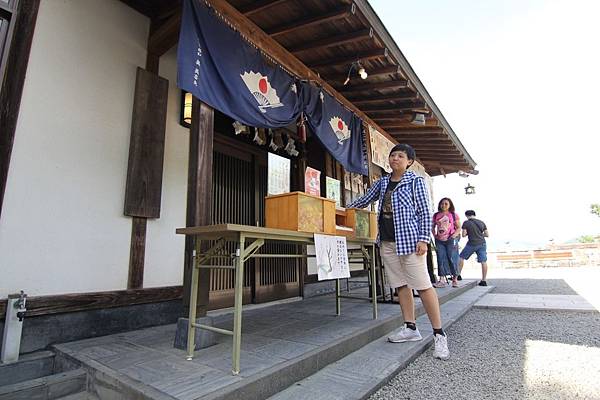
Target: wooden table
249	240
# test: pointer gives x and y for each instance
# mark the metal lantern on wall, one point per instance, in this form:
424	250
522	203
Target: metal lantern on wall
469	189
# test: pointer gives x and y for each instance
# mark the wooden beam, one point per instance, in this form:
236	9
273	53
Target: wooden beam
356	90
392	69
441	158
311	20
63	303
385	98
401	124
406	106
417	131
281	55
259	6
440	153
13	79
165	35
349	59
333	41
418	142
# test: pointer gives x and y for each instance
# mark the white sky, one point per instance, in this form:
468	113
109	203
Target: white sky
518	81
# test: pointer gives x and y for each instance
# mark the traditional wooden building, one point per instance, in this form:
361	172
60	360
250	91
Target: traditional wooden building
99	163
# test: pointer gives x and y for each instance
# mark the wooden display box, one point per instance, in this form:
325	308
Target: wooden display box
341	227
363	222
299	211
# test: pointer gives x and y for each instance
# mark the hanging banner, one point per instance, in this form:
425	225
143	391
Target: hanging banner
337	128
219	67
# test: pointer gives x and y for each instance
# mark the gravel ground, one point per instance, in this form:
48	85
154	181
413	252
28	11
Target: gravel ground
531	286
509	355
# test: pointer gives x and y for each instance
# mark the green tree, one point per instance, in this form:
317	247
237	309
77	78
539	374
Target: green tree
595	209
586	239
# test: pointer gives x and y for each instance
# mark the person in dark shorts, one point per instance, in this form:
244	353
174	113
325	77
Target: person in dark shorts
477	231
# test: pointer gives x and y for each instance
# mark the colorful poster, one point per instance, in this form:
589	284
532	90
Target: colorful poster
312	181
332	257
332	190
278	175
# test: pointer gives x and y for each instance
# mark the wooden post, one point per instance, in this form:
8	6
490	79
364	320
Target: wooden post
199	197
12	76
145	167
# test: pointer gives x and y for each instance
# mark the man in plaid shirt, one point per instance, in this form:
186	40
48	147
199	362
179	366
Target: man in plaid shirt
404	229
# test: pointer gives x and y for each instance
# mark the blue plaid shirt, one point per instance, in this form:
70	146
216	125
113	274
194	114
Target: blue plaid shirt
410	208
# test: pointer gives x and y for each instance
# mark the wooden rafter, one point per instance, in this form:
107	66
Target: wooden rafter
417	129
391	69
386	98
165	35
349	59
427	130
259	6
424	141
333	41
406	123
405	106
353	91
443	153
311	20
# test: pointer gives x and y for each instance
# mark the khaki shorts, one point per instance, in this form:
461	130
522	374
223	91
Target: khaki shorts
406	270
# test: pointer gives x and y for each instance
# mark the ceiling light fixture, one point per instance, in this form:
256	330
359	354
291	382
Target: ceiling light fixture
418	119
360	70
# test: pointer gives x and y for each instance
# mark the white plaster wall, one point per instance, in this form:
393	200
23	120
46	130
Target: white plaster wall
62	228
164	249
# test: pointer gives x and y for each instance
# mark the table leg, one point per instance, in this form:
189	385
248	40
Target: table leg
373	280
337	297
237	313
193	301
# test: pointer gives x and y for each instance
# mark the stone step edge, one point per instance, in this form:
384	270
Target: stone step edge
413	352
52	386
28	366
103	380
262	385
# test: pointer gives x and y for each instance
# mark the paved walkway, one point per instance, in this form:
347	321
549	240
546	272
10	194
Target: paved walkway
535	302
533	337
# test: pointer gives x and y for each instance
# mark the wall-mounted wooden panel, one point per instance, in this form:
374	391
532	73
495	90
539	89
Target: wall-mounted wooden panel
146	148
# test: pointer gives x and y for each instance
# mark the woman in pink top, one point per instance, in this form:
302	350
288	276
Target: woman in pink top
446	230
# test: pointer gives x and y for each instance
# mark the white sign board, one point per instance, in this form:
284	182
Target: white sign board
332	257
278	175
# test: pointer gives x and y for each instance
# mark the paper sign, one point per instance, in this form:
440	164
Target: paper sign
278	175
332	257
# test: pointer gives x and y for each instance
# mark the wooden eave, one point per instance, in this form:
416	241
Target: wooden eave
318	40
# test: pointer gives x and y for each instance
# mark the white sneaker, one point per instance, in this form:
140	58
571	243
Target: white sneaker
405	335
440	349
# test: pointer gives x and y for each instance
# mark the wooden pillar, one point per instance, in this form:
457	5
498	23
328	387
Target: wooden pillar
199	196
145	166
13	66
139	221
